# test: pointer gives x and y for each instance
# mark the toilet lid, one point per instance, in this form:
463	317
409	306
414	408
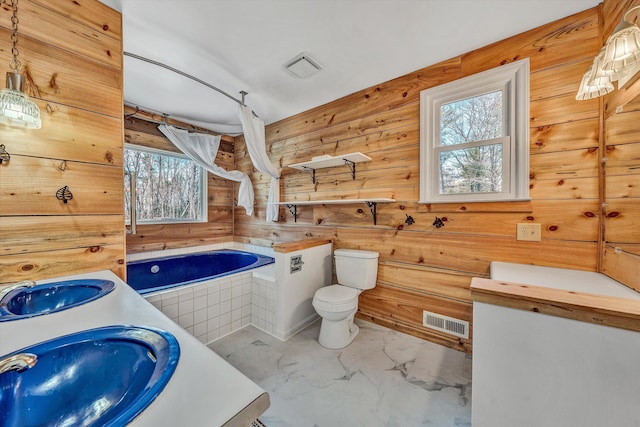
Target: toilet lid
336	293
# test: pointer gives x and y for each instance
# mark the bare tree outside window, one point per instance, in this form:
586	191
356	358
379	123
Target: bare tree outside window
474	137
477	168
169	188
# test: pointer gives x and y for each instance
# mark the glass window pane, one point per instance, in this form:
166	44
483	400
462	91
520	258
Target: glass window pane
168	188
478	118
471	170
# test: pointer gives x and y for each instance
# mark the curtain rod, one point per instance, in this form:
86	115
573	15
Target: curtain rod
142	109
182	73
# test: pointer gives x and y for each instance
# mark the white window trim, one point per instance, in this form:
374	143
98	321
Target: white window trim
203	185
514	78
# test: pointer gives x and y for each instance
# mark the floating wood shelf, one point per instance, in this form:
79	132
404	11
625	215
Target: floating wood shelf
371	203
327	161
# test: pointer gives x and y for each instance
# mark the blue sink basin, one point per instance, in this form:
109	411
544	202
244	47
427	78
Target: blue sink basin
98	377
51	297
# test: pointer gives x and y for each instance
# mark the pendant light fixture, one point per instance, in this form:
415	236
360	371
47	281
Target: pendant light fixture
16	109
622	49
593	87
616	60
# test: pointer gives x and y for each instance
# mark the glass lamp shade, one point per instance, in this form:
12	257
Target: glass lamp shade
600	75
593	87
18	111
622	49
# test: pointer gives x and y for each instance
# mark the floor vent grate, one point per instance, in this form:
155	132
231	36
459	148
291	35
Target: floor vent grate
449	325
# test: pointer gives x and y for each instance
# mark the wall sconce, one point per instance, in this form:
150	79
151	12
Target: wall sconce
616	60
16	109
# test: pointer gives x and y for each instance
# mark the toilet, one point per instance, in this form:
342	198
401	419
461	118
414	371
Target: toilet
337	304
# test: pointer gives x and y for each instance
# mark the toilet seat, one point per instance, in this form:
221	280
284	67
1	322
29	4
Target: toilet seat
336	294
336	298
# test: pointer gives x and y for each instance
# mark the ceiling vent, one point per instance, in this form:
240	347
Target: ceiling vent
303	66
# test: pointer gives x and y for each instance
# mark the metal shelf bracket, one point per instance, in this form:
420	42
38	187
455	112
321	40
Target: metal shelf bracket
371	203
373	209
294	211
352	167
311	172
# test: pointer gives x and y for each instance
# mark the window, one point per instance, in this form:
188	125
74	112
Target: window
474	137
170	187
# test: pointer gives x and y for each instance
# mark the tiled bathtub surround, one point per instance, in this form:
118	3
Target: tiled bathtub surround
210	309
214	308
263	300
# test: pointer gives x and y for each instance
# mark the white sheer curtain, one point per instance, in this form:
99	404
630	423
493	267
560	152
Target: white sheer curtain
202	149
254	136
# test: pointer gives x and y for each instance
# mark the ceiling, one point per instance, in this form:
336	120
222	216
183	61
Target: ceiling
242	45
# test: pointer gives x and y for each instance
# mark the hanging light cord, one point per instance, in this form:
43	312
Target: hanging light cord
15	64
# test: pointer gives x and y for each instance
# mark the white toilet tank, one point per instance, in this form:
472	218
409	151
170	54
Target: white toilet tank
356	269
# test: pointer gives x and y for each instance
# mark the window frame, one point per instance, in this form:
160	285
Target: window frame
513	80
204	193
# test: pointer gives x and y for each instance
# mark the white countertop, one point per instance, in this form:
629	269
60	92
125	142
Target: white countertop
561	278
204	390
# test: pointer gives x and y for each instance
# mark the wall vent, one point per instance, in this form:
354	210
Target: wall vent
449	325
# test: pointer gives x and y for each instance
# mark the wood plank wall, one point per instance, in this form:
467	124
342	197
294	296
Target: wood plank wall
141	129
423	267
622	172
72	60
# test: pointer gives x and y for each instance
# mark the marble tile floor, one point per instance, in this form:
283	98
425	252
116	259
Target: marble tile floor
384	378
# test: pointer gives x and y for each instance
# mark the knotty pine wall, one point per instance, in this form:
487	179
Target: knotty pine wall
621	213
141	128
72	55
72	60
422	267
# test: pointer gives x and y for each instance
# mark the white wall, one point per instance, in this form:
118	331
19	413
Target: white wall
295	290
532	369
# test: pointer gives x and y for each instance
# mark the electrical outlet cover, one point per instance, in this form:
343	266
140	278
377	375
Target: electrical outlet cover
529	232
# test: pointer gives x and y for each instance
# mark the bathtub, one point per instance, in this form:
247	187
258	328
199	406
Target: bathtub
157	274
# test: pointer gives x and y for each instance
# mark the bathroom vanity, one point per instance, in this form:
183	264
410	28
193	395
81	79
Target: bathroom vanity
554	347
204	389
